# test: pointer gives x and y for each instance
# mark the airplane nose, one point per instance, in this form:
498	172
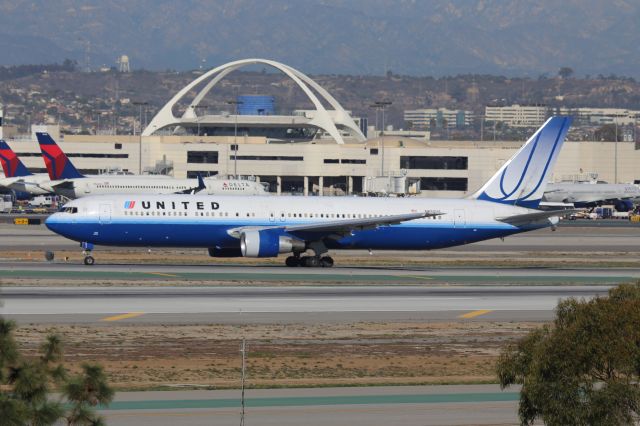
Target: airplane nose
52	222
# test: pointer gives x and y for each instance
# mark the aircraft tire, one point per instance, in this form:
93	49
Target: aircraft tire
326	262
293	261
89	260
311	262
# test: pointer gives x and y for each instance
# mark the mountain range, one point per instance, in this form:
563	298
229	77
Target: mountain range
362	37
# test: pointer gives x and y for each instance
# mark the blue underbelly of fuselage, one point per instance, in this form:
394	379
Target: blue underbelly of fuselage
397	237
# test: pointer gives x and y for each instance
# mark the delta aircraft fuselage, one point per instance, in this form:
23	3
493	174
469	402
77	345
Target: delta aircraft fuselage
150	184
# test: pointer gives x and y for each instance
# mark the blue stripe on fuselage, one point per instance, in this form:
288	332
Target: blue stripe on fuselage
190	233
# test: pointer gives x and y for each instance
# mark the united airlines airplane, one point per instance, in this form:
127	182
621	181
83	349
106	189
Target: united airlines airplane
268	226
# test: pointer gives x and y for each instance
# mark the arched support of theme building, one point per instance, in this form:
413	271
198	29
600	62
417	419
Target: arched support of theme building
322	118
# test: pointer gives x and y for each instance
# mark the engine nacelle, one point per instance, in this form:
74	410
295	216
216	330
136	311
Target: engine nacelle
623	205
225	252
268	244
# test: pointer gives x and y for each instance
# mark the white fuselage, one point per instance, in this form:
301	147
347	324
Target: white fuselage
127	184
209	221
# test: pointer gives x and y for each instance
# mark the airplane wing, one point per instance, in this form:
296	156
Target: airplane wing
340	227
527	218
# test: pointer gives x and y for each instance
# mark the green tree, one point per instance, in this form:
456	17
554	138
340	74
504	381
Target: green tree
584	369
26	384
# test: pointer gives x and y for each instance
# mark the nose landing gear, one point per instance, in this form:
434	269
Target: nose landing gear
86	251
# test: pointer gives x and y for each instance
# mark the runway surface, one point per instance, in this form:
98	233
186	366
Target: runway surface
285	304
353	275
372	406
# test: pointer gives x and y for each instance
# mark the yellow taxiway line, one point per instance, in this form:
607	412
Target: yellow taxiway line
123	316
474	314
162	274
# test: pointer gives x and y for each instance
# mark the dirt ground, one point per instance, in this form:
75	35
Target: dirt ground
153	357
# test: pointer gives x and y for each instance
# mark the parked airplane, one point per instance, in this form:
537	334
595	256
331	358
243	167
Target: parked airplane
267	226
587	194
67	181
18	177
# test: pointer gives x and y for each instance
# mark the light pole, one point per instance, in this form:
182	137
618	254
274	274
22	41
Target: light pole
243	351
235	103
381	105
140	104
615	151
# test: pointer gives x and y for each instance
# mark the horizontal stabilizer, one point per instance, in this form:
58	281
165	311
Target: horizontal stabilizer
528	218
64	184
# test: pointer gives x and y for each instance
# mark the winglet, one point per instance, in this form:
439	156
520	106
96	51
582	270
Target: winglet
11	164
58	164
521	180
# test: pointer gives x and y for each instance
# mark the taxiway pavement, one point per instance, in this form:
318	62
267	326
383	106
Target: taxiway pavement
281	304
371	406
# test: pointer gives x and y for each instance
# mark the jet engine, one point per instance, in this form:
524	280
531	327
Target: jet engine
268	244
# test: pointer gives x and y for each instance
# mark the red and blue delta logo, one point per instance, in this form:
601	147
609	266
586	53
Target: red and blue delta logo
129	204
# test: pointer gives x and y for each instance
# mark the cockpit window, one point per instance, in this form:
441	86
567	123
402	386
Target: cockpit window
70	210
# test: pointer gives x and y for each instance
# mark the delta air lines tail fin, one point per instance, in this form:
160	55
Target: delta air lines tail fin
521	180
11	164
58	164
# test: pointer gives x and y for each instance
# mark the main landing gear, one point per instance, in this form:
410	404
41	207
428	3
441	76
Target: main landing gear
309	261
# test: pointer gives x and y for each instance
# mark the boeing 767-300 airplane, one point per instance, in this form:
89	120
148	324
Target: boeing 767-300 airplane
257	226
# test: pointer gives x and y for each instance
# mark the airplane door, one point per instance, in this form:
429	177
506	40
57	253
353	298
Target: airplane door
105	213
87	188
459	220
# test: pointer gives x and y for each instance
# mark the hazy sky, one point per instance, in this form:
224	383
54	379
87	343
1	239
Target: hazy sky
418	37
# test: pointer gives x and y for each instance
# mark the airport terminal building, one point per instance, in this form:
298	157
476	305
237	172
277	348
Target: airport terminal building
310	152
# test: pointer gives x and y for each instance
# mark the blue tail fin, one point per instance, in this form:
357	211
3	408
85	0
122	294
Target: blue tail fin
11	164
58	164
521	180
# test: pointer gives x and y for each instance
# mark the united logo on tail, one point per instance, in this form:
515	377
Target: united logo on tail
58	165
521	180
